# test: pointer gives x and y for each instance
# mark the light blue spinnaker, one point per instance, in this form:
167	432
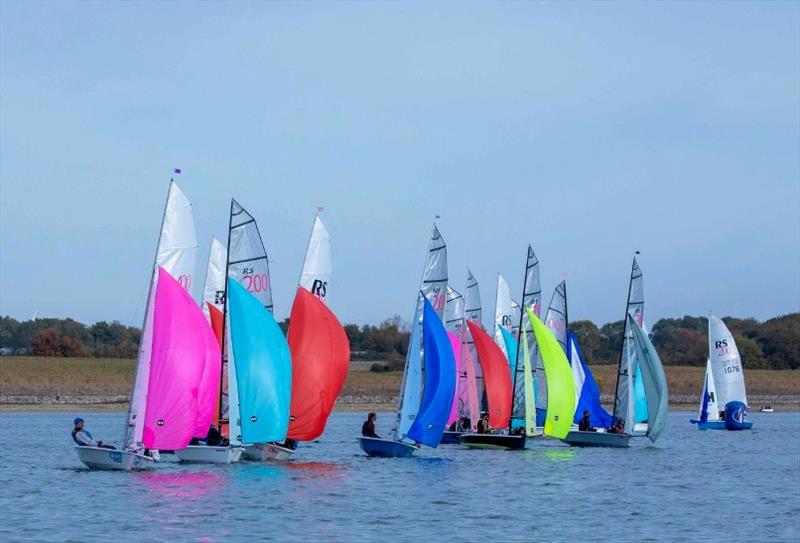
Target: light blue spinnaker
440	381
263	367
653	379
639	398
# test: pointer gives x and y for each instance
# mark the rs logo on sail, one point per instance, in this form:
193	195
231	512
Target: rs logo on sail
319	288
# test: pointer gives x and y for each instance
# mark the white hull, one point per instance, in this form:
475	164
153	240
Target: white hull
205	454
111	459
267	451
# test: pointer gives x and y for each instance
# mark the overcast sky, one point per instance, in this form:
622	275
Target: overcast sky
587	129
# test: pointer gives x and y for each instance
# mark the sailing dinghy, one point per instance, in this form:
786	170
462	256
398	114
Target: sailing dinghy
638	360
318	343
255	375
426	397
176	351
724	383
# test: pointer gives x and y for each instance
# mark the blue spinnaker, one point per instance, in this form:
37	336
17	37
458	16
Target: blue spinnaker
263	367
440	381
589	398
639	398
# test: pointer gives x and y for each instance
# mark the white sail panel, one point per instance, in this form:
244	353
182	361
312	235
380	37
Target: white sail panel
247	257
472	309
454	312
469	356
317	267
711	406
516	316
214	288
503	312
726	364
177	244
434	277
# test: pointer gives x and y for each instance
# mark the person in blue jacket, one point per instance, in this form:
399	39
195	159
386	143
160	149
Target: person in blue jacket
83	438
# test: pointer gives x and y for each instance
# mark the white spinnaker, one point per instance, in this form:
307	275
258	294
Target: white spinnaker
214	288
503	313
247	257
726	364
317	267
176	253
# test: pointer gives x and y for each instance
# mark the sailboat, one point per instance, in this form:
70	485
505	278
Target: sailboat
638	359
724	383
319	345
176	351
255	375
709	416
426	396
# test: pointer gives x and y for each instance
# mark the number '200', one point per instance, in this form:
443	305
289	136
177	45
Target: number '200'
256	283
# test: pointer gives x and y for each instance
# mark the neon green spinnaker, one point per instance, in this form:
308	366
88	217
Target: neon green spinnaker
530	400
560	384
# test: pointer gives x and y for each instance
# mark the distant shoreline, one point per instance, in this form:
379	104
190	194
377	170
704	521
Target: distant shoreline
97	384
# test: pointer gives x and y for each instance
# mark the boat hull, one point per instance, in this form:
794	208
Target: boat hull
710	425
451	438
493	441
205	454
386	448
267	451
597	439
100	458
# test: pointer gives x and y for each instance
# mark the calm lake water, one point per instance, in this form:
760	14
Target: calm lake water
690	486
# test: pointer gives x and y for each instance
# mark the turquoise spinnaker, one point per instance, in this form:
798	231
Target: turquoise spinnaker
263	367
511	349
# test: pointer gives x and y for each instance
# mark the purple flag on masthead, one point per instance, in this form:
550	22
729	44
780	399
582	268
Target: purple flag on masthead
177	170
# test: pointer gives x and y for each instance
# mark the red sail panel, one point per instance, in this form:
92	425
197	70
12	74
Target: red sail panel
496	377
320	359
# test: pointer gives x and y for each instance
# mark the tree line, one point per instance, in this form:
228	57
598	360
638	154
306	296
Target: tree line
773	344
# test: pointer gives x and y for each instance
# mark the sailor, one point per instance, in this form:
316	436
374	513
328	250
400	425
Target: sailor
84	437
368	428
585	425
618	428
483	424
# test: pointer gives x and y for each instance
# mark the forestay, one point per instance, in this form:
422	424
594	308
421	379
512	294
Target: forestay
726	364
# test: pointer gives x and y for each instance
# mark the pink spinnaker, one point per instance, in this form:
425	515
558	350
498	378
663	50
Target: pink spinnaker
184	355
455	342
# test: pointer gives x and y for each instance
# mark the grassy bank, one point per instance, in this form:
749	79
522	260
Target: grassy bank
105	383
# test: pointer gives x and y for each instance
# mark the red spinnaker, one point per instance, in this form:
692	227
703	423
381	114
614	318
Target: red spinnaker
216	326
496	377
320	358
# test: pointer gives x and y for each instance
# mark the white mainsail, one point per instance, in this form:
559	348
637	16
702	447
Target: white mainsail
503	313
726	364
454	312
176	253
556	316
317	267
214	288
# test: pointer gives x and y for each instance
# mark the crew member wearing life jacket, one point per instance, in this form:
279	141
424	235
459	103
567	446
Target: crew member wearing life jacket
83	438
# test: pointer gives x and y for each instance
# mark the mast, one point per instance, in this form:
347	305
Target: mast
222	345
522	329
